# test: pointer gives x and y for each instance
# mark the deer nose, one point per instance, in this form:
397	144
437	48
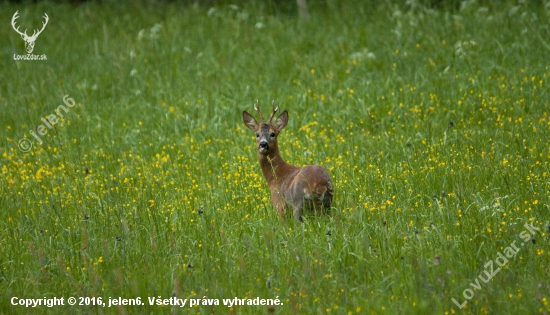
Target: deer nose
263	144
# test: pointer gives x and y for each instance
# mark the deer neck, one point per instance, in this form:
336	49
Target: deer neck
273	166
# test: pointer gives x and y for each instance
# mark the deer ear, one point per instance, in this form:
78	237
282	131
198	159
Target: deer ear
281	121
249	121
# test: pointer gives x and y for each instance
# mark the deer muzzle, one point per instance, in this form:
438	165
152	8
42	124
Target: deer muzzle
263	146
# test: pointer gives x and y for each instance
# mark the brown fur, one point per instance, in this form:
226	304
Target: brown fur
292	187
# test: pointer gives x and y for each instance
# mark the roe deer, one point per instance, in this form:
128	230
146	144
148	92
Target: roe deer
297	188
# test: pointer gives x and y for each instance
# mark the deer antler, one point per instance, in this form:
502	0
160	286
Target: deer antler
24	34
274	111
43	26
15	17
258	110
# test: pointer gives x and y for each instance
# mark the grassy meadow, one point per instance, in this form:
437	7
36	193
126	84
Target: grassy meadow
432	121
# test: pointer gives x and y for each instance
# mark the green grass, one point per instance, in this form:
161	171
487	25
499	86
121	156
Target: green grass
433	124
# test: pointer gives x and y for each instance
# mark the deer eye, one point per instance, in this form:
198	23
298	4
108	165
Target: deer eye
257	135
272	135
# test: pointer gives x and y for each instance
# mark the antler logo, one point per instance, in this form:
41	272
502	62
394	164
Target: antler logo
29	40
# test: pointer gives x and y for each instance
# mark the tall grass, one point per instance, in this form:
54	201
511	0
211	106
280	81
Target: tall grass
432	122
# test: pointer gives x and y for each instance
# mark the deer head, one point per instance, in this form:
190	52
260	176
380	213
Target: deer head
29	40
266	132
